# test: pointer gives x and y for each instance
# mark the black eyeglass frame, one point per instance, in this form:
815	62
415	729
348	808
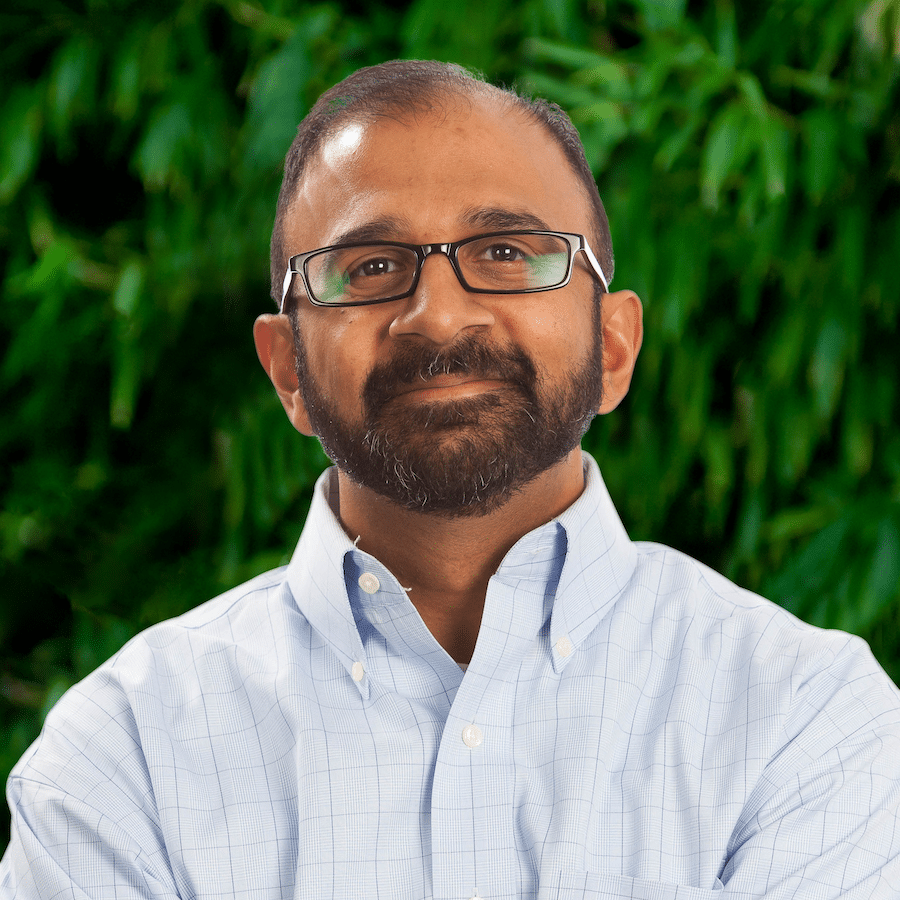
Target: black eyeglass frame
297	265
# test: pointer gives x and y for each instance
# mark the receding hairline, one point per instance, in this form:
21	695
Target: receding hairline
450	104
440	91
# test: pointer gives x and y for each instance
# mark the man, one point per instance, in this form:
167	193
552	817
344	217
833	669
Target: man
468	682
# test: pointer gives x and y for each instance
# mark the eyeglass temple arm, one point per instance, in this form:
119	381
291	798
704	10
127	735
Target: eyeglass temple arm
598	269
285	287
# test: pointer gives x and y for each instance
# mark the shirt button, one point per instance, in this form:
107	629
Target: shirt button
357	671
564	646
369	582
472	736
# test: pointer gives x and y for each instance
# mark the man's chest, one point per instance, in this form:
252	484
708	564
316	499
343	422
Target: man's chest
514	791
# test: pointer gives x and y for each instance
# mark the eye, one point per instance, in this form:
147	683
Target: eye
379	265
503	253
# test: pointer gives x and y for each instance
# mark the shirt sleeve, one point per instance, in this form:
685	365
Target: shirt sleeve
824	820
84	819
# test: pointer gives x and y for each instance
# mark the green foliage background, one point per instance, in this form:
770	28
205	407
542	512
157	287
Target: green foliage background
749	157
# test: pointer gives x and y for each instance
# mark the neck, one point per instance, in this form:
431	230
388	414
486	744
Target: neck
446	563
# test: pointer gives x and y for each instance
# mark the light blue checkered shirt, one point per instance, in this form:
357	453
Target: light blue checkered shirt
631	725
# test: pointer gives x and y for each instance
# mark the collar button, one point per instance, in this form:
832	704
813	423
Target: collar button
369	582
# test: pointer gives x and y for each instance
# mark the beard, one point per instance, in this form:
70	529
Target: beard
463	457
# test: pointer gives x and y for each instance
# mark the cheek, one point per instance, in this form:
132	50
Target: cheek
342	348
555	335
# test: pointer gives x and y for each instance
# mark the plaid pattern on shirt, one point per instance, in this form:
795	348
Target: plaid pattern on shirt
631	725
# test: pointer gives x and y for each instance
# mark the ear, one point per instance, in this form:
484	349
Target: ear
623	332
274	341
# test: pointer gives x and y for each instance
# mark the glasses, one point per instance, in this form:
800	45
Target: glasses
501	262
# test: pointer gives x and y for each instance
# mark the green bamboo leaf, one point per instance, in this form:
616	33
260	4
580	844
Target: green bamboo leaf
880	25
796	442
568	94
125	80
128	289
602	128
821	133
43	287
72	86
785	351
726	33
674	146
881	588
130	346
857	431
816	84
853	232
662	14
752	92
810	574
126	381
610	77
775	147
20	128
160	154
798	522
725	151
825	375
275	106
718	456
749	526
566	55
682	259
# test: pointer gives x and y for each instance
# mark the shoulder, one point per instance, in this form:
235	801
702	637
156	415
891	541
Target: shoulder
749	650
159	678
707	603
247	617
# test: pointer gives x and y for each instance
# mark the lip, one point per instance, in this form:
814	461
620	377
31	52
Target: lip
448	387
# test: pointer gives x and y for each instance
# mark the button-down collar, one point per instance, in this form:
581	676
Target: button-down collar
584	555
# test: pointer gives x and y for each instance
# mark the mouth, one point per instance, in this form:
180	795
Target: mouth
448	387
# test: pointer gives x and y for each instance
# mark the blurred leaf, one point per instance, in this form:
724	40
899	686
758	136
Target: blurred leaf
661	14
72	87
808	576
128	360
775	144
576	58
826	368
821	131
881	587
725	151
160	158
275	104
20	126
125	82
749	161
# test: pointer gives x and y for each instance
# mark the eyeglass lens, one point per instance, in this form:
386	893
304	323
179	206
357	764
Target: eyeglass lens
501	263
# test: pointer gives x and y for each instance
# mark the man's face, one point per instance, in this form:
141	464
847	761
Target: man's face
446	402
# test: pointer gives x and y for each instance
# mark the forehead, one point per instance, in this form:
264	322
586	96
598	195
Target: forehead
473	165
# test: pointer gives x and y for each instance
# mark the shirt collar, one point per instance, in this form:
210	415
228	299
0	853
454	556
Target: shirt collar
598	560
315	576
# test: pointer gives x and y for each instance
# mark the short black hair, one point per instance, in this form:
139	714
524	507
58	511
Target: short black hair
401	87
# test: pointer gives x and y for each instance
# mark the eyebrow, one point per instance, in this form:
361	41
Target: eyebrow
497	217
386	228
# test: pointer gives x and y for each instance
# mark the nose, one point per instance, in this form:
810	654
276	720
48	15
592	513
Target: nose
441	308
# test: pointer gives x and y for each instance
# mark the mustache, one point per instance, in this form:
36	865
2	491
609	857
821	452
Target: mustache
471	355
